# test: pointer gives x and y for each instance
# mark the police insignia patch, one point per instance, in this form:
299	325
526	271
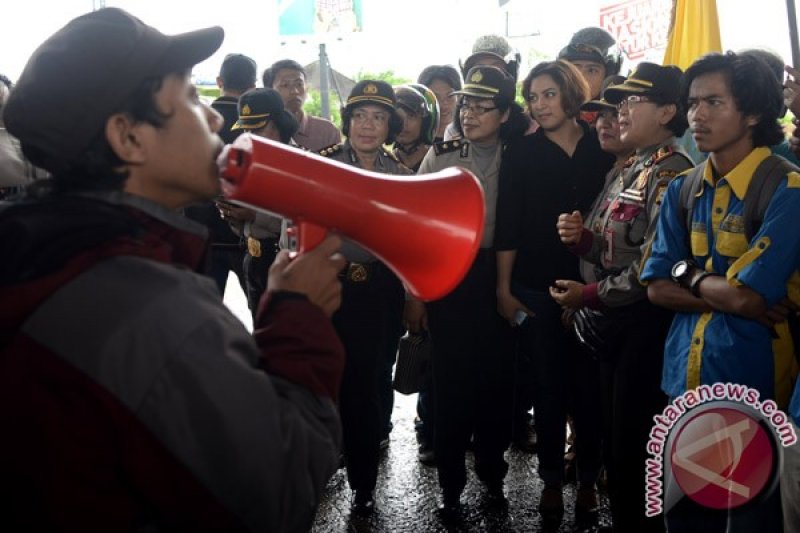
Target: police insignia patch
246	110
476	77
370	88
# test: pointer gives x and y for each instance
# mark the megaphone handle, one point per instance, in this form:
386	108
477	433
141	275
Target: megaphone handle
307	235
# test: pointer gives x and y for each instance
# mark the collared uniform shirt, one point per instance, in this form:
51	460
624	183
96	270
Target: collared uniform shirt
386	163
705	348
622	223
316	133
460	153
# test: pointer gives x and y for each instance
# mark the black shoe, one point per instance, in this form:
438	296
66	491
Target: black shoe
586	509
495	497
363	503
450	509
551	507
426	456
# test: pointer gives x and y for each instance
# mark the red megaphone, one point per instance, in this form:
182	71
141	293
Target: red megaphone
427	228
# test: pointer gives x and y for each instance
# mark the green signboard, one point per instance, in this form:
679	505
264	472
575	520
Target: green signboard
310	17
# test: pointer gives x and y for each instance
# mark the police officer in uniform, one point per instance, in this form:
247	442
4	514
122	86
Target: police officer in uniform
262	113
369	322
472	352
614	242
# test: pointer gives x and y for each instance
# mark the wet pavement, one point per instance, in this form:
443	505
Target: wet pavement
407	493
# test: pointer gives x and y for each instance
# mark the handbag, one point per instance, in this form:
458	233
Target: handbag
413	360
593	329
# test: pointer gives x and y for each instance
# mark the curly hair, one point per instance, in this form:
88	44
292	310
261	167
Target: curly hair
572	86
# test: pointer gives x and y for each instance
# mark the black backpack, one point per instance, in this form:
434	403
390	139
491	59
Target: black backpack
759	193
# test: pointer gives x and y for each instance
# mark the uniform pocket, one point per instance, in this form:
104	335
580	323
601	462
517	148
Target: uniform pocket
731	244
699	240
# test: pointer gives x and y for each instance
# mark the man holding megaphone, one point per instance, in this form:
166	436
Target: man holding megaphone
132	398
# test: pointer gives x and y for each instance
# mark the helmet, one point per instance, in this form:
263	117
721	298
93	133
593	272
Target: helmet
494	46
594	44
420	100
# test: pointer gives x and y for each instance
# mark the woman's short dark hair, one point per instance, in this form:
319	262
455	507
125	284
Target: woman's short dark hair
98	168
570	81
445	73
754	87
395	120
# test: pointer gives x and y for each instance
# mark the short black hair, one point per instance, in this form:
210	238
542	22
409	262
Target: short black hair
445	73
238	72
753	85
268	77
5	81
99	167
395	120
573	86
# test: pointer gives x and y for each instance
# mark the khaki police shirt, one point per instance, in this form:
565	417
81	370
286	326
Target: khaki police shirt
460	153
623	220
386	163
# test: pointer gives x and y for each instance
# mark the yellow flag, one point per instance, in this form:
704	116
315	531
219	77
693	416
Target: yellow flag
694	32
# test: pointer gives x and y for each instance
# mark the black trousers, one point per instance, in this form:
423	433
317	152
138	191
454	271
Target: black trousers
566	382
632	396
370	313
472	378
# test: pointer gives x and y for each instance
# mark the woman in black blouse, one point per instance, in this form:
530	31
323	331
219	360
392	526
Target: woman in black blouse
560	168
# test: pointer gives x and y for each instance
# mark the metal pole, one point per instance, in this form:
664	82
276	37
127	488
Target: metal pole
324	91
790	10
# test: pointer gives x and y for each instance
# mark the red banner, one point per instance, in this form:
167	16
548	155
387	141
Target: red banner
641	27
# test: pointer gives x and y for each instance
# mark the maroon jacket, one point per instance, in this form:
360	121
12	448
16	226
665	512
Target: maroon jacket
133	399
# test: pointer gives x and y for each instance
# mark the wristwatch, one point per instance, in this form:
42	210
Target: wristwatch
694	285
682	272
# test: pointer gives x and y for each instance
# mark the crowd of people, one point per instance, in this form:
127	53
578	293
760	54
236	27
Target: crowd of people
616	272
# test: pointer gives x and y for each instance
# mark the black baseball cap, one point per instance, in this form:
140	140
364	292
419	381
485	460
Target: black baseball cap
485	81
81	75
659	82
257	107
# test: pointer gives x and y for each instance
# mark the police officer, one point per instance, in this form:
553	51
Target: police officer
472	356
261	112
614	242
370	319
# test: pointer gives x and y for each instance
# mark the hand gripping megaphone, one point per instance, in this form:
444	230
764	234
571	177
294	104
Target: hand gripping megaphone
427	229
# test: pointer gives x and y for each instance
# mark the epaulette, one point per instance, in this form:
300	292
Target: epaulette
391	155
331	150
446	147
659	155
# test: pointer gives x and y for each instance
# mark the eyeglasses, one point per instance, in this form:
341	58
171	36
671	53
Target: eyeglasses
361	116
475	109
633	99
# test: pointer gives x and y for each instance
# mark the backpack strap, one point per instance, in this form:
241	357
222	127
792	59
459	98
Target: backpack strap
692	182
765	180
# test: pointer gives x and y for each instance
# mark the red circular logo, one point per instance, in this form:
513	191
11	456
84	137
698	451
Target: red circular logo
722	458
